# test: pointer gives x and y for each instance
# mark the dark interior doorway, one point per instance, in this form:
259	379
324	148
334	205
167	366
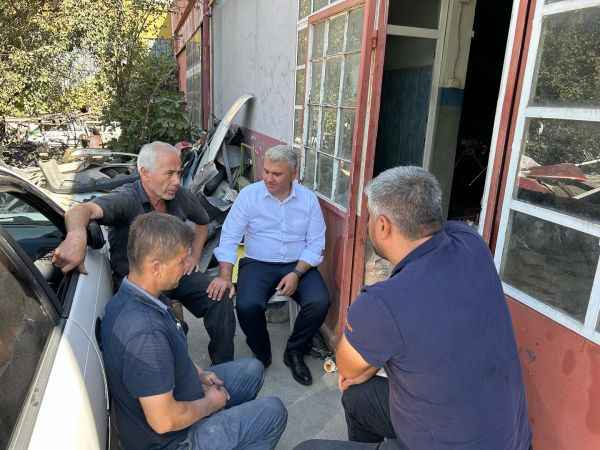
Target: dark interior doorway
484	72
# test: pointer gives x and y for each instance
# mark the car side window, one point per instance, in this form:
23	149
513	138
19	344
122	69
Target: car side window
34	232
25	326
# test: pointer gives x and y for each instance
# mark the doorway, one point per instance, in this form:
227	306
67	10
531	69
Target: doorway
441	78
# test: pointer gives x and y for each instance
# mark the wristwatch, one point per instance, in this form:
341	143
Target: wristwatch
298	272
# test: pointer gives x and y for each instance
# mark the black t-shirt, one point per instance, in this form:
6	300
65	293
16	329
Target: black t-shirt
441	328
124	204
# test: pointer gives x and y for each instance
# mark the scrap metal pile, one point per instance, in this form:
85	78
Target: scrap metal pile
50	153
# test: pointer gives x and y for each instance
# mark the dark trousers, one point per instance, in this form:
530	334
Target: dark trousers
367	411
219	317
257	281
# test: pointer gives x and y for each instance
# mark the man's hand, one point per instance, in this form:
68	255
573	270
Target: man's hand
70	254
288	284
345	383
190	265
217	397
209	378
218	287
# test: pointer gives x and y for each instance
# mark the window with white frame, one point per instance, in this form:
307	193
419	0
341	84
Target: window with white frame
327	66
549	238
193	54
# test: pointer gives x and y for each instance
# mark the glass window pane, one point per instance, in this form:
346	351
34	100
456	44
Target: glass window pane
300	86
309	168
355	25
421	14
346	131
324	174
560	167
303	9
335	37
298	119
551	263
342	183
328	124
568	72
302	47
315	84
318	4
24	329
318	43
313	126
351	79
333	70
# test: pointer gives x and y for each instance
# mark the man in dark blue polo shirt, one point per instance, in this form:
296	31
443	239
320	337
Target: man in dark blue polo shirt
439	326
162	399
158	189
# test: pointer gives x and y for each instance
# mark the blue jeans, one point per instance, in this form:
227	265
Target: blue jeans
246	422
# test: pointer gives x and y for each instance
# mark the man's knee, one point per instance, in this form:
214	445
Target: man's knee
249	307
253	369
352	398
275	411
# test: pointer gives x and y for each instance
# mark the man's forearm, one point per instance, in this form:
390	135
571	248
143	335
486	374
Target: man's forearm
199	241
225	270
184	414
303	266
77	220
365	375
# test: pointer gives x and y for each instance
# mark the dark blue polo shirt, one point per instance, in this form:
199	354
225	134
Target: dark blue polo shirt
441	328
121	206
145	353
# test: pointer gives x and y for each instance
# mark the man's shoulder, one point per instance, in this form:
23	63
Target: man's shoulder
128	317
125	192
252	191
304	191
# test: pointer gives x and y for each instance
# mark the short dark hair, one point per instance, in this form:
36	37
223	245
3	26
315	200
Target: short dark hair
410	197
158	234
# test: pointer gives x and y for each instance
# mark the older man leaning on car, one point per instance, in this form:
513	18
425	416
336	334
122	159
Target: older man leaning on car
162	400
158	189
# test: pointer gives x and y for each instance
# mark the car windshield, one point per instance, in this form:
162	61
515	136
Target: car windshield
16	212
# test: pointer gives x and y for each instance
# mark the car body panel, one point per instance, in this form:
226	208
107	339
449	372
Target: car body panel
67	405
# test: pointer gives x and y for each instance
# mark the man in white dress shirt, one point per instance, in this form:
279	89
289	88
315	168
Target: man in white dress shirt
284	235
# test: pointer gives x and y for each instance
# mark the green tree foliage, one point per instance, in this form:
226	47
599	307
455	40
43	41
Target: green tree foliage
62	55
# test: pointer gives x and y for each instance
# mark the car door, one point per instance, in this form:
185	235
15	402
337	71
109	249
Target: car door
71	391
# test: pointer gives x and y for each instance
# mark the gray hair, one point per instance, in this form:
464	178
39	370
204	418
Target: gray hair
283	153
157	234
410	197
148	153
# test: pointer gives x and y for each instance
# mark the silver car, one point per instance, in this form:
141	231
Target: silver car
53	391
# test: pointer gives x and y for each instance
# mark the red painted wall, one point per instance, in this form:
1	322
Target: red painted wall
561	370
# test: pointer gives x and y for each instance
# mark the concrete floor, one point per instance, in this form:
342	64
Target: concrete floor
313	411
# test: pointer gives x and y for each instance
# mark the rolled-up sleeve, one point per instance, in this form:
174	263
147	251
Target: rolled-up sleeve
192	207
233	230
117	207
315	235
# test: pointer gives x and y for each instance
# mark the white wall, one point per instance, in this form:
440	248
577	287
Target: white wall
254	45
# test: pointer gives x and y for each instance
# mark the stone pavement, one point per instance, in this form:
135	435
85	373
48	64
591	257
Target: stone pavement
313	411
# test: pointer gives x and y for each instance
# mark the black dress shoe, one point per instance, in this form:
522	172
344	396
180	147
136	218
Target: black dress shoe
300	371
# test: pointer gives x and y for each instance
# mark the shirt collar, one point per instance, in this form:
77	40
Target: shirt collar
428	246
292	195
162	302
141	194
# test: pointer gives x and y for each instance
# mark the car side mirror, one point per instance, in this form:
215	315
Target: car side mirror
95	236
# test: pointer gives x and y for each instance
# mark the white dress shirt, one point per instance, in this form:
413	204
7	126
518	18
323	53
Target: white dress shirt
274	231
